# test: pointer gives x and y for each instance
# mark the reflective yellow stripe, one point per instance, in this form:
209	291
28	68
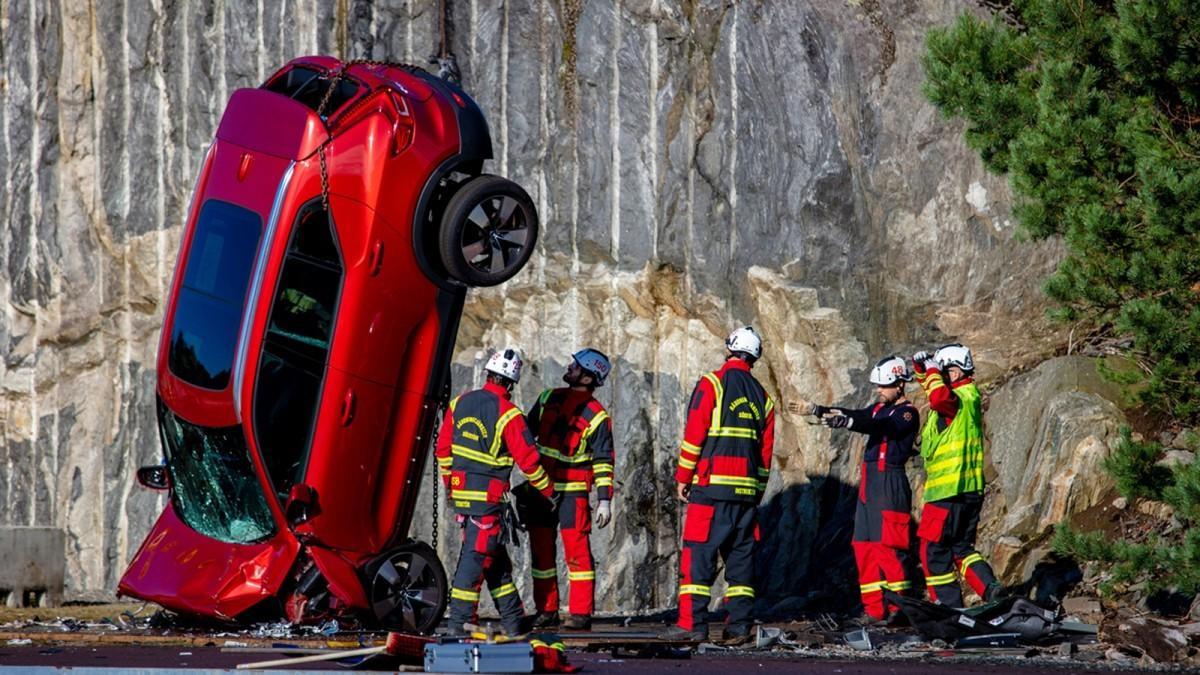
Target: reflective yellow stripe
687	464
500	425
719	395
482	458
968	561
461	594
770	404
454	402
733	432
604	481
872	587
695	589
946	480
504	590
602	467
739	592
469	495
566	459
941	579
544	574
539	479
558	646
897	585
596	422
445	461
735	481
694	449
581	576
573	486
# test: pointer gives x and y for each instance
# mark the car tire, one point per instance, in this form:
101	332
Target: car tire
408	588
488	231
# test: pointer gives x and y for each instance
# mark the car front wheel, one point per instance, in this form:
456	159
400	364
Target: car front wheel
409	589
488	231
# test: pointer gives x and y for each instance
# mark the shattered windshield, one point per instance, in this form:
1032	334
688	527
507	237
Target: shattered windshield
214	488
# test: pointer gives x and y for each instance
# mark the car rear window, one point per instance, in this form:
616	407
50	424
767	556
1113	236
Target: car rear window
308	86
296	346
208	310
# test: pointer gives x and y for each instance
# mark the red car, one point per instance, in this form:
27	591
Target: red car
338	219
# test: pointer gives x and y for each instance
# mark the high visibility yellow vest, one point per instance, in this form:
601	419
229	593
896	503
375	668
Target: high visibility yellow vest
954	456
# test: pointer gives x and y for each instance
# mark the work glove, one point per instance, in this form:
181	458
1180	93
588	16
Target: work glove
803	407
922	361
603	513
836	421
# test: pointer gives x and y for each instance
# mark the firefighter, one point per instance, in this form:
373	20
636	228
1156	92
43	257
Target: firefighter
952	447
481	437
724	462
574	436
882	517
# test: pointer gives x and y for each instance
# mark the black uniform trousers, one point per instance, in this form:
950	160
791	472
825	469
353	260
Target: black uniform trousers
484	557
947	532
730	529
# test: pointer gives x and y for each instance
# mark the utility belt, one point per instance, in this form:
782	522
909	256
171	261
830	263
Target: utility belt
506	520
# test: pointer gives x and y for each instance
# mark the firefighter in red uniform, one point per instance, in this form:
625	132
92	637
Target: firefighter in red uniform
481	437
881	520
574	436
724	462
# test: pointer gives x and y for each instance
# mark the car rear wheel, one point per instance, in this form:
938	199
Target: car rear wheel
409	589
488	231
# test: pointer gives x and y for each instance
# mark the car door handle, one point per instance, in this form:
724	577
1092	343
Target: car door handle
349	405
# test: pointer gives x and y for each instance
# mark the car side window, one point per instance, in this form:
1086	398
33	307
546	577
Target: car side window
208	307
296	346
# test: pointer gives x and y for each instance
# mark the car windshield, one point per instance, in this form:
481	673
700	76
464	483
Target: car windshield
213	485
208	311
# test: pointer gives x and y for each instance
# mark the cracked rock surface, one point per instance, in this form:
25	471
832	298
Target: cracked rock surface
697	164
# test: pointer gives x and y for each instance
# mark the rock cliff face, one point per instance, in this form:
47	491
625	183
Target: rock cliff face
698	164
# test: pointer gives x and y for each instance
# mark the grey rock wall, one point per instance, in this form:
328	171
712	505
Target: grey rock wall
697	165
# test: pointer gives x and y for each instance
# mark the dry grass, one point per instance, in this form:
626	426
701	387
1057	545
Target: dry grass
82	612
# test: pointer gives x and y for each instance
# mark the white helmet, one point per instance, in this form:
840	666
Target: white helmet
744	340
506	363
889	370
955	355
595	363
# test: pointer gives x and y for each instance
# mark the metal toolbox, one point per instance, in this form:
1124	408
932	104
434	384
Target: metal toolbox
479	657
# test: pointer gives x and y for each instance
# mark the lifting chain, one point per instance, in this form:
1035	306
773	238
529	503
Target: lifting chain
436	473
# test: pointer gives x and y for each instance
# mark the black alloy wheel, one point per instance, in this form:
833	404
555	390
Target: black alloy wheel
488	231
409	589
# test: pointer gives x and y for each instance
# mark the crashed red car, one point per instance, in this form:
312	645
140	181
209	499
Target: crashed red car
339	217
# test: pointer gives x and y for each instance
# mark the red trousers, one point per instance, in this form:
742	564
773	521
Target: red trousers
574	524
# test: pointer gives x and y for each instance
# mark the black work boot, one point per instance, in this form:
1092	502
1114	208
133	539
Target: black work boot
734	636
578	622
677	633
545	620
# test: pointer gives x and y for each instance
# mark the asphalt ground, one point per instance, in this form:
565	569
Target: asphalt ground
141	659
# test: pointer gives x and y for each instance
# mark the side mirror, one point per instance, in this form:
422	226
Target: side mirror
301	503
154	477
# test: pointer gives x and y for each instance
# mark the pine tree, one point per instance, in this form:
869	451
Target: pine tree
1092	110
